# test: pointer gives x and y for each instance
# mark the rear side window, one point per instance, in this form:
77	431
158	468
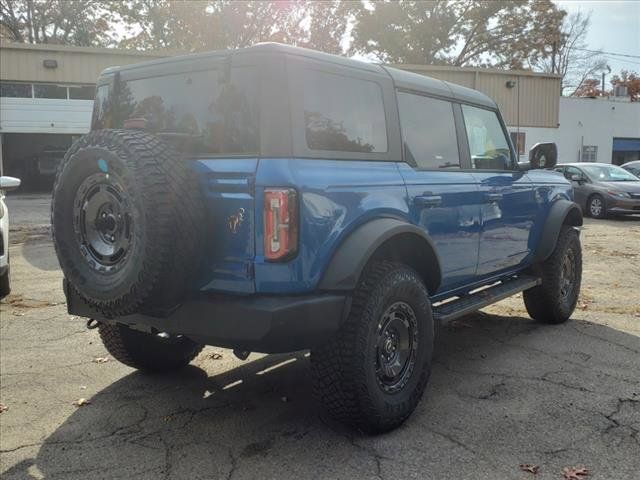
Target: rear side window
343	114
428	131
488	144
200	112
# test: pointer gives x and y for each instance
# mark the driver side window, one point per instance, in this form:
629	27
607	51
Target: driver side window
488	144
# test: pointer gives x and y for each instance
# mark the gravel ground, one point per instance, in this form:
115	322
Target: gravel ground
505	391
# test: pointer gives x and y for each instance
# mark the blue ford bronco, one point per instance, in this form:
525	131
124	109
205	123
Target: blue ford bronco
274	199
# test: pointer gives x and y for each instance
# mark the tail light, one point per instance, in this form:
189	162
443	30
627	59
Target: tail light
280	223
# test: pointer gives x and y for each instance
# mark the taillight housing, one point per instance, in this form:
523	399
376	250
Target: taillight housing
280	224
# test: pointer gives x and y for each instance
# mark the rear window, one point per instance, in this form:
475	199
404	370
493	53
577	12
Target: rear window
343	114
200	112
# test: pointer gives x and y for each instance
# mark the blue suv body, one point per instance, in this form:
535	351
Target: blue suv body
314	173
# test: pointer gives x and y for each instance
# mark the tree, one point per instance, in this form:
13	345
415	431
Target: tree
512	34
589	87
631	80
569	56
71	22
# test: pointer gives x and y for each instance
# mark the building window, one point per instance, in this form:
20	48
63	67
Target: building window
590	153
15	90
518	140
84	92
49	91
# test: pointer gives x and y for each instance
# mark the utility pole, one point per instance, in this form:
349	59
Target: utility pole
603	74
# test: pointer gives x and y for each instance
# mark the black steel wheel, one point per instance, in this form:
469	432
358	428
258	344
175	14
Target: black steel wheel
373	373
555	299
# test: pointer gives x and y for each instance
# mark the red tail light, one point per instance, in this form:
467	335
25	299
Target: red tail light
280	223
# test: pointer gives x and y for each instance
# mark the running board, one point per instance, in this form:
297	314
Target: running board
475	301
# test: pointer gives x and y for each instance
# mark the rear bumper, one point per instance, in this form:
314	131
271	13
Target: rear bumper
268	324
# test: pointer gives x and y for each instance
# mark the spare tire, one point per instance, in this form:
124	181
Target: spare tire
126	217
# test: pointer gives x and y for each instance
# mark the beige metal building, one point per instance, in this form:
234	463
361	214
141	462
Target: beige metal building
46	94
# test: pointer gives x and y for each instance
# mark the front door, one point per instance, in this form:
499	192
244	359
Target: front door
442	198
507	200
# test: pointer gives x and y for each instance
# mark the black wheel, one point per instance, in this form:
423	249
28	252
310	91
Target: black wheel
127	220
146	351
596	206
374	371
5	284
555	299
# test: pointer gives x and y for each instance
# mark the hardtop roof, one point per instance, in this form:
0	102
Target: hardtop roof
401	78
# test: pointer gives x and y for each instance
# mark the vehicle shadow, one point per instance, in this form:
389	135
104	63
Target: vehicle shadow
504	390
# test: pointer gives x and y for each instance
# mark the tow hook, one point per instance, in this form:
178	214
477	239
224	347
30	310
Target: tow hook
241	354
92	323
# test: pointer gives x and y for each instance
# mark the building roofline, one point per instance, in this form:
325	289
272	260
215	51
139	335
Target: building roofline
51	47
450	68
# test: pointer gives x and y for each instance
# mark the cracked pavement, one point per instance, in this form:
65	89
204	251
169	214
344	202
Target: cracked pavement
504	391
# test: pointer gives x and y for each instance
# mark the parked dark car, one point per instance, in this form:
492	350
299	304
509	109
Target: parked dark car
603	189
275	199
633	167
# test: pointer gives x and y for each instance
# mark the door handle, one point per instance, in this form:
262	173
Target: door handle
428	200
494	197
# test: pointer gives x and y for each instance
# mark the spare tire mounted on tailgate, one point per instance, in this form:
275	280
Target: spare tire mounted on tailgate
126	215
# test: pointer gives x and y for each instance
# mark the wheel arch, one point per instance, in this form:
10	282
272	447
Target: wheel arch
383	238
563	212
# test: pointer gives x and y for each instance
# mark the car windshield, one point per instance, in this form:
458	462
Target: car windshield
608	173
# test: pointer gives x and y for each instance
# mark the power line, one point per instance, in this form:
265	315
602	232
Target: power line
606	53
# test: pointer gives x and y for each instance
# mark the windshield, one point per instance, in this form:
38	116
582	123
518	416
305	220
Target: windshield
607	173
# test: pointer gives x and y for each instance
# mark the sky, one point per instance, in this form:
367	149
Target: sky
615	28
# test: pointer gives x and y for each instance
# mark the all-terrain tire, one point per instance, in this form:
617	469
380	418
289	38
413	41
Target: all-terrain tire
346	380
165	217
555	299
145	351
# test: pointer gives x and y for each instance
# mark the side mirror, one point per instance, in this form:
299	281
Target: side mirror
577	178
9	183
543	155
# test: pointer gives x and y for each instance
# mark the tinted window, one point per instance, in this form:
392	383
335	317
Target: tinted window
343	114
49	91
21	90
201	112
487	142
100	108
428	131
86	92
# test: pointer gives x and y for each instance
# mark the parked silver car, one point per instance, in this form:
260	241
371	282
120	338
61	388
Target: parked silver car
602	189
633	167
6	184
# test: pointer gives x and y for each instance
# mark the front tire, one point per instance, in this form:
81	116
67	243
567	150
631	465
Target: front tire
596	206
374	372
555	299
146	351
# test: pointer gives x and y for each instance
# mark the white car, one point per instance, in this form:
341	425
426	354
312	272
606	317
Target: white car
6	184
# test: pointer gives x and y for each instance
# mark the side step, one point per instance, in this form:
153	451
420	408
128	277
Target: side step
475	301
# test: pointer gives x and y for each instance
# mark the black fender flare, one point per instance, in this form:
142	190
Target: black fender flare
352	255
562	212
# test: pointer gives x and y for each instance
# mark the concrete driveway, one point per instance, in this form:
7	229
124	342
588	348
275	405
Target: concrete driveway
505	391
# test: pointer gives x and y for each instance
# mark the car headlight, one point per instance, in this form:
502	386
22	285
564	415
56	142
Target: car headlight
619	194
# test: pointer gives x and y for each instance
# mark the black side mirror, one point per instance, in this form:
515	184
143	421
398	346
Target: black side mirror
543	155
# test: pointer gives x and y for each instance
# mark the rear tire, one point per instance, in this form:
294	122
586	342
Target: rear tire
5	284
555	299
146	351
374	371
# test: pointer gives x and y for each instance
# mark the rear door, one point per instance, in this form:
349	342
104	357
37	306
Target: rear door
507	200
442	198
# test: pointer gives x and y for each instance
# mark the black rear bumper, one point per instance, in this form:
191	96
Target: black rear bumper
268	324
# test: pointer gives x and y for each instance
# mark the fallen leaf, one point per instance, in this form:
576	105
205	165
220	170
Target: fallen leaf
527	467
101	360
3	408
574	473
215	356
81	402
